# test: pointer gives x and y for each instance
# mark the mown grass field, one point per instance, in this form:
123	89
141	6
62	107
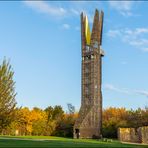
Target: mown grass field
56	142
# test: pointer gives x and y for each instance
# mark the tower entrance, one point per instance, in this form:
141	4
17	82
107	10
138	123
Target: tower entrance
77	132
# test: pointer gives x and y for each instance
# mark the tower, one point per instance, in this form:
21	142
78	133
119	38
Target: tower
89	122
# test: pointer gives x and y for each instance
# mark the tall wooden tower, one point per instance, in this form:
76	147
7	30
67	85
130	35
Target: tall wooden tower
89	122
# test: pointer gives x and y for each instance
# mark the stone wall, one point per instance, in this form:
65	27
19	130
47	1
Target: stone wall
144	134
135	135
128	135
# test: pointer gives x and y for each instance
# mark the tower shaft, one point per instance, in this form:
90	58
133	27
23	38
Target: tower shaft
89	122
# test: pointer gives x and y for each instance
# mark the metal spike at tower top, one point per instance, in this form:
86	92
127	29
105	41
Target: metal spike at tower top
87	31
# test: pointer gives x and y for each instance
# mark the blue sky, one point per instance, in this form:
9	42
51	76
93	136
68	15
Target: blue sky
42	40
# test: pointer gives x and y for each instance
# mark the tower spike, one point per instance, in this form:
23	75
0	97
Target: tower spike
100	26
95	29
87	31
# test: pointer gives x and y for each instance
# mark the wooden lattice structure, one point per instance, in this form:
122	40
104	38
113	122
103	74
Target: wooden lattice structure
89	122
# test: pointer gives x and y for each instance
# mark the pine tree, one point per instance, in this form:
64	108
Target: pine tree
7	94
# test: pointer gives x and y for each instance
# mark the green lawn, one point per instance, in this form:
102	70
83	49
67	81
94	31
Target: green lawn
56	142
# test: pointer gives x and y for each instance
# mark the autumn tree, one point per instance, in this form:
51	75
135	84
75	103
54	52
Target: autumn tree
65	126
40	122
7	94
112	119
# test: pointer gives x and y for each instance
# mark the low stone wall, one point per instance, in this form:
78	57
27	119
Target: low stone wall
128	135
135	135
144	134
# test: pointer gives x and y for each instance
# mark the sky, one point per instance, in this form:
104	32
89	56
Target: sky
43	42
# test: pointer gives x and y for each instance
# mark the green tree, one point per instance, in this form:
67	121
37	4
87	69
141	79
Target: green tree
58	113
49	112
7	94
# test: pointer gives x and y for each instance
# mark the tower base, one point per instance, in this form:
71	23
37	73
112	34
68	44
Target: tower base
86	133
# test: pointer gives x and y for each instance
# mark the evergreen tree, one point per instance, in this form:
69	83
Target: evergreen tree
7	94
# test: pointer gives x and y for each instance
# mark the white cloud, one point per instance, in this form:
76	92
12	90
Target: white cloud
110	87
125	91
74	11
141	30
142	92
66	26
139	42
116	89
145	49
137	38
46	8
123	7
113	33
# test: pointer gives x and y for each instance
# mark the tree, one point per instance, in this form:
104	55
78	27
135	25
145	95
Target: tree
58	113
49	112
39	122
112	119
65	126
7	94
71	108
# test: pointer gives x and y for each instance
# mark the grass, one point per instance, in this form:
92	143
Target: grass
56	142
